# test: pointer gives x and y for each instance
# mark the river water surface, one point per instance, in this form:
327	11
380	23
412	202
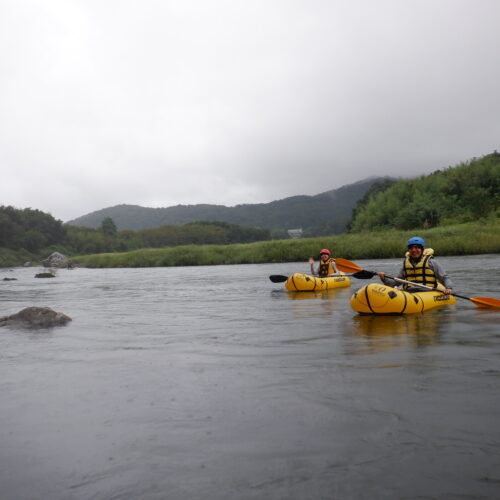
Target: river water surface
214	383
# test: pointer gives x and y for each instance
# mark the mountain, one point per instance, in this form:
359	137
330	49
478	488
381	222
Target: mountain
332	208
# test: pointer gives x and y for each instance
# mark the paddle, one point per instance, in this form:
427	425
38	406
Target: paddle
279	278
347	265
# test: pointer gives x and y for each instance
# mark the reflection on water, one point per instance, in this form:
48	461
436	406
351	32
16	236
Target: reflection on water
319	304
409	324
385	331
322	295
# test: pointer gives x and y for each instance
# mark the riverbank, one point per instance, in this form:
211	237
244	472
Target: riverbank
463	239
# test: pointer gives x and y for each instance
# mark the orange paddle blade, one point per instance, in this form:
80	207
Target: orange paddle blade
345	265
486	301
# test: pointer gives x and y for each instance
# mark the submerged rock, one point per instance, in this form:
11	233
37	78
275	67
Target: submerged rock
45	275
10	279
35	317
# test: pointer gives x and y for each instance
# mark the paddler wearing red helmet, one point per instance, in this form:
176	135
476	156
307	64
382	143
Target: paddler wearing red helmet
326	265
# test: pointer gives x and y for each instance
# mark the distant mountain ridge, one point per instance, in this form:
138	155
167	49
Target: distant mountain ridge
333	208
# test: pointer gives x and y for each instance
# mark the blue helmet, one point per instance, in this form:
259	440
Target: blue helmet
416	240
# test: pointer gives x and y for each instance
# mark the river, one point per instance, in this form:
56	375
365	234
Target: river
214	383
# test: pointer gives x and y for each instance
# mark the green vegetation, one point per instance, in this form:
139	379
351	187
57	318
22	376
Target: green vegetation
197	233
464	193
28	229
108	226
377	188
11	258
460	239
31	235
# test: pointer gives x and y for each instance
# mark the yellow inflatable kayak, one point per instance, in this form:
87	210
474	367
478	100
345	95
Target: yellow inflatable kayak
382	299
299	282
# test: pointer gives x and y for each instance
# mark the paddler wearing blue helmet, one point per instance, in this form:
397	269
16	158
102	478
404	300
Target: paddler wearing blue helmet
420	266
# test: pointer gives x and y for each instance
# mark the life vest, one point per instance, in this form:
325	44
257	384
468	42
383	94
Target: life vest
326	268
420	272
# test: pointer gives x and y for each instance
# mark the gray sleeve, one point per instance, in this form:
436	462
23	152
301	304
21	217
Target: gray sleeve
441	274
391	282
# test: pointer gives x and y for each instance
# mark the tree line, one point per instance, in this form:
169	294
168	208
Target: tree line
29	229
108	239
35	231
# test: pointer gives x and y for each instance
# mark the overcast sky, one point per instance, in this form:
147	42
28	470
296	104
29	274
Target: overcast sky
161	102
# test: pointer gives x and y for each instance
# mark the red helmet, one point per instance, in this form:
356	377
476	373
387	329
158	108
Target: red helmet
325	250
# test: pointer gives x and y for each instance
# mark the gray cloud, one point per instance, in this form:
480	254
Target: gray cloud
165	102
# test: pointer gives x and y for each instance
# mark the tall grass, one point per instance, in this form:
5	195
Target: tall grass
462	239
12	258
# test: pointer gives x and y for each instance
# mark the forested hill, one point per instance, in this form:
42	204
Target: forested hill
325	213
465	193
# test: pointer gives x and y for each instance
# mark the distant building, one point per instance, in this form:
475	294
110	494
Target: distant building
295	233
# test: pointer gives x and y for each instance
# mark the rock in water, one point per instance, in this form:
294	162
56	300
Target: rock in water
45	275
35	317
55	259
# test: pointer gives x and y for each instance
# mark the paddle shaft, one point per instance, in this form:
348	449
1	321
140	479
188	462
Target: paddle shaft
399	280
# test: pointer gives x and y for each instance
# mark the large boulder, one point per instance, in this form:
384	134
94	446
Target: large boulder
55	259
35	317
